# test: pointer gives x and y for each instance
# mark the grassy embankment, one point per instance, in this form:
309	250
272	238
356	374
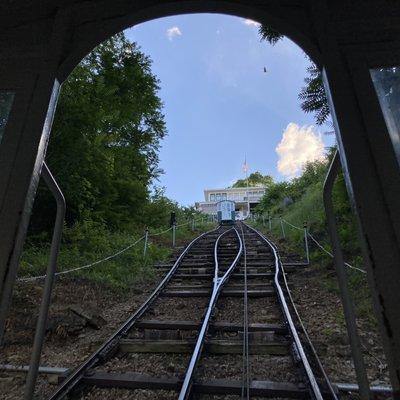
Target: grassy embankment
308	207
84	245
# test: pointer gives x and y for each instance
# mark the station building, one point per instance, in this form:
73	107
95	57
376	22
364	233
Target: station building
245	198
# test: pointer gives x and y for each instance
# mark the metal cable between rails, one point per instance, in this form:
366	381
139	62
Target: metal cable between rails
246	370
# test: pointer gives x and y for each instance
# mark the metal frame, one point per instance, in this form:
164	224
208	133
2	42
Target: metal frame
146	240
327	31
218	283
112	343
345	297
48	284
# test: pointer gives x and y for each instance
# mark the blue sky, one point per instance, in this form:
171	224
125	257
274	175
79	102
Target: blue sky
220	105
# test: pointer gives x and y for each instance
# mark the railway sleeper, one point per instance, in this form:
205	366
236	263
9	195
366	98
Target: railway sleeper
250	286
211	346
234	275
132	380
224	293
214	326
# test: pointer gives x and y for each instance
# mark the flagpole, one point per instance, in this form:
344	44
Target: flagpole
247	194
245	168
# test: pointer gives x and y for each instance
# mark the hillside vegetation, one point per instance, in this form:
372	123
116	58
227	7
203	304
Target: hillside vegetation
103	152
300	201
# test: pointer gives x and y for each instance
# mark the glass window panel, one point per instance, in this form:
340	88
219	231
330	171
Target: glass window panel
387	86
6	100
212	197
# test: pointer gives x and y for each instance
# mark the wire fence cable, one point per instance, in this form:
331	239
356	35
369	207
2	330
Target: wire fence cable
322	247
33	278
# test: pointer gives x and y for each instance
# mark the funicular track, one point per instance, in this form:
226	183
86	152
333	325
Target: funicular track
219	325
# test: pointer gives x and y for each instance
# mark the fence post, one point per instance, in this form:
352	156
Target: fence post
306	242
193	222
146	238
283	229
173	234
269	221
263	220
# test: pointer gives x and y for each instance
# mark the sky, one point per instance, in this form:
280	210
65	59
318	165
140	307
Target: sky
221	107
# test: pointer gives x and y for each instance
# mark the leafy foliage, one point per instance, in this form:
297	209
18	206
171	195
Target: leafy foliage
269	34
255	179
104	154
312	95
306	192
106	137
306	205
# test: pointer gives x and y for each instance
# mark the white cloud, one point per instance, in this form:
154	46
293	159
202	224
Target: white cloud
250	22
299	145
173	32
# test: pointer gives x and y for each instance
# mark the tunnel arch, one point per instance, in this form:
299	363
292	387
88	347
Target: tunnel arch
97	24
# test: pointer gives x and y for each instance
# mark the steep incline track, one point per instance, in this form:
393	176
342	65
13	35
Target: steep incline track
218	326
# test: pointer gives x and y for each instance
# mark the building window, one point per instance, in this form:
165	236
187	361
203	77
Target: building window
223	196
6	100
387	86
218	196
212	197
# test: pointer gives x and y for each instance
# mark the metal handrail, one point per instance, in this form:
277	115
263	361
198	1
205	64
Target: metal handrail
48	284
217	286
338	262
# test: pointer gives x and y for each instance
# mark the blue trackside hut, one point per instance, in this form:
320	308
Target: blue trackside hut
226	212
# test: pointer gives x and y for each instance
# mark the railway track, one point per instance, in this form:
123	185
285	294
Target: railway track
220	325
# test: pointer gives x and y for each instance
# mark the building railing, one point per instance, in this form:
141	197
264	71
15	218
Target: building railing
256	198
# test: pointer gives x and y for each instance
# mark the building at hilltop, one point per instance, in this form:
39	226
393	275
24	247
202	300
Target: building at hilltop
245	198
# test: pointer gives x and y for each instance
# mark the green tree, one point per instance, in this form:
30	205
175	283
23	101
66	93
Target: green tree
255	179
312	95
106	136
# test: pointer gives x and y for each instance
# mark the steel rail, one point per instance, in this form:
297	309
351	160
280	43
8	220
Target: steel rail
218	283
316	391
246	369
112	342
331	386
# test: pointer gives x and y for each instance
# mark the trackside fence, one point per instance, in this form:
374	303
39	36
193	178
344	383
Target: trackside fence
168	235
280	225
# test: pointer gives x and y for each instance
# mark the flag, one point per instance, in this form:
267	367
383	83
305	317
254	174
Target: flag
245	166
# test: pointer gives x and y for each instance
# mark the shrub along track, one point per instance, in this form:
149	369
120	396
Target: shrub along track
217	326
